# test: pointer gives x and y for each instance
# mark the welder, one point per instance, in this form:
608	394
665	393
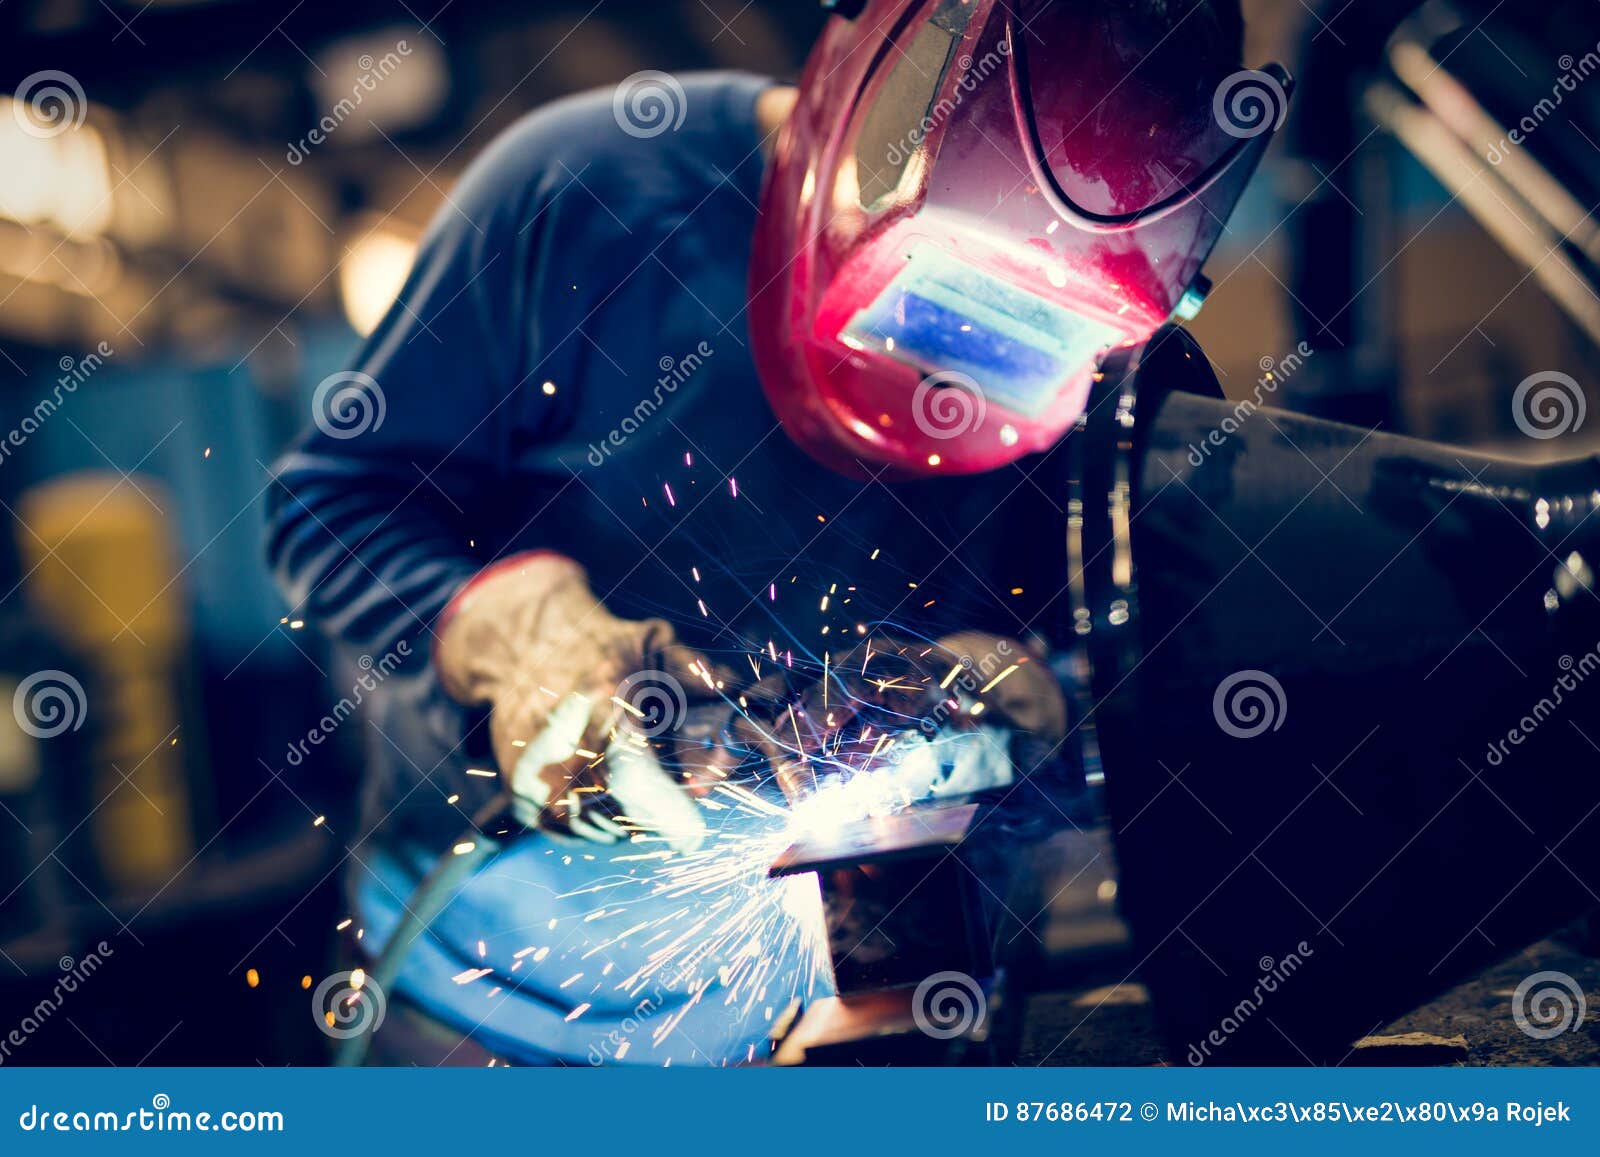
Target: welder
707	381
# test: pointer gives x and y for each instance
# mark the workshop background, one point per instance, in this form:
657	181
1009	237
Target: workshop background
180	267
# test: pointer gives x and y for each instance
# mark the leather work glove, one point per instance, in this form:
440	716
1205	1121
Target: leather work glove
569	685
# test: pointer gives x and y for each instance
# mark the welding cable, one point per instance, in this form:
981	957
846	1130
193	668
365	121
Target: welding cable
472	851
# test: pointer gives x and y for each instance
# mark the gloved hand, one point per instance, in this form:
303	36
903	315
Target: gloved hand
623	790
529	638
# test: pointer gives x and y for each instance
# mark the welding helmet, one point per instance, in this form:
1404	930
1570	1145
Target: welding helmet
973	200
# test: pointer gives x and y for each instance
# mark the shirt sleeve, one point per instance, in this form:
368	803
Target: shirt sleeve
375	504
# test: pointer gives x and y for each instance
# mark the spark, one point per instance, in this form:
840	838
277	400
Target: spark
667	486
993	683
463	848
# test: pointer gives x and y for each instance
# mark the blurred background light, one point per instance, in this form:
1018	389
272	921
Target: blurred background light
370	277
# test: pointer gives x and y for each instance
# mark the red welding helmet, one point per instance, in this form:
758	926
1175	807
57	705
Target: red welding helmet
973	200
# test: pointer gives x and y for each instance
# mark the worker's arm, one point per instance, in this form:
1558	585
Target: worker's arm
372	515
390	511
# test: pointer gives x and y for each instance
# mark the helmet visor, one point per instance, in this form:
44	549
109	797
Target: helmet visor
1131	111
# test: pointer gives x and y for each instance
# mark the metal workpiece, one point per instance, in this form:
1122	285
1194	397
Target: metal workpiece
1338	689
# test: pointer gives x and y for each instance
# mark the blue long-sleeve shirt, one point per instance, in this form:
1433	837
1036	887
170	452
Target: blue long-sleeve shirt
568	367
